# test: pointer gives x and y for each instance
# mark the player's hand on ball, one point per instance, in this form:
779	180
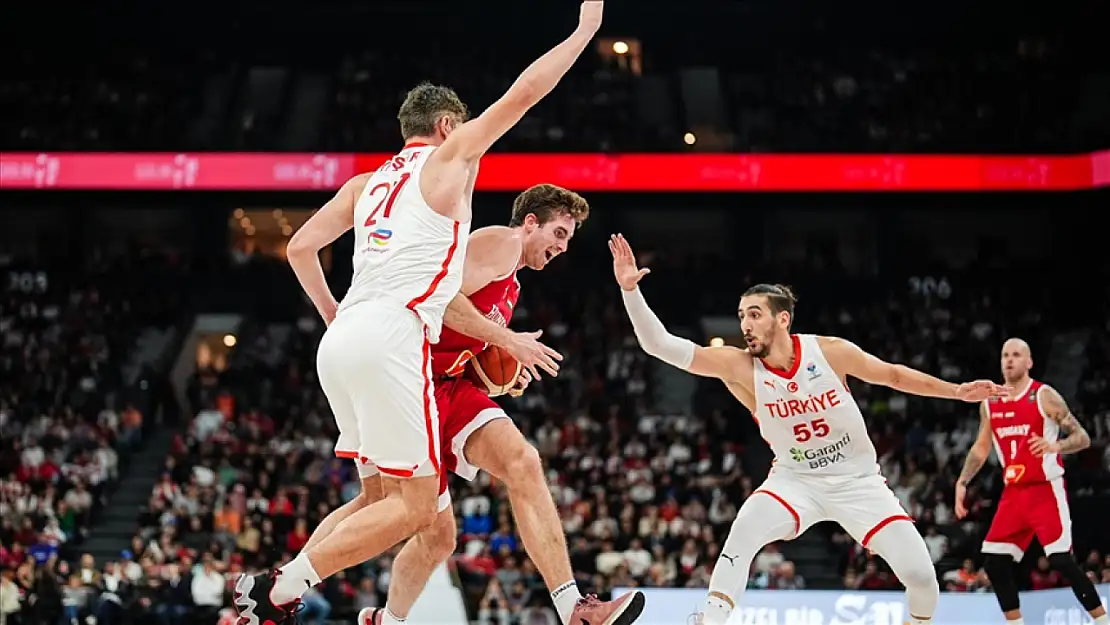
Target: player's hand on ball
961	496
980	390
589	17
532	354
1040	446
522	383
624	263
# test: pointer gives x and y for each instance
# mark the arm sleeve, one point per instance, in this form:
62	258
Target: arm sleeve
653	336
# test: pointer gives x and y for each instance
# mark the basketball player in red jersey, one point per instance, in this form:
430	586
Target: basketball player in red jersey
1030	430
477	434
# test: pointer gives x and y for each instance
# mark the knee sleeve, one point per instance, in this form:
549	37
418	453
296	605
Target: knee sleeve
1000	570
904	550
1080	584
761	520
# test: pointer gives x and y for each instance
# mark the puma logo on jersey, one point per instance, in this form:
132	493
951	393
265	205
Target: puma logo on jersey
769	384
814	404
1012	430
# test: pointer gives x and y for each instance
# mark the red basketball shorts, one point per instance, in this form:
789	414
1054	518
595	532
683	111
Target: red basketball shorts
1026	510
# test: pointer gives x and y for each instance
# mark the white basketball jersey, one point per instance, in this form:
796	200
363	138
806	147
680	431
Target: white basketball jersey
809	417
405	252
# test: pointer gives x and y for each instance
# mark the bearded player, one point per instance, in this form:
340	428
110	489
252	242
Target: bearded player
825	466
477	434
1030	431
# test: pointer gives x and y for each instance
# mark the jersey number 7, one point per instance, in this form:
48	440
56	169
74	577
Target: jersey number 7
805	431
387	193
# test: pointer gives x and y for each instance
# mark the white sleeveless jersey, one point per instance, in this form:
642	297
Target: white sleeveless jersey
405	252
809	417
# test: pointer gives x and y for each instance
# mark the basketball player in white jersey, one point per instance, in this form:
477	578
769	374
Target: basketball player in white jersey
825	466
411	219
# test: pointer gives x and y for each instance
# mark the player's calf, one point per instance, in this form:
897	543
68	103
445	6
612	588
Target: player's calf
1081	585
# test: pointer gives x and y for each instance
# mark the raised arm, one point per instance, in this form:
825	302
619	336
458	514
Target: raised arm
848	359
475	137
325	226
1073	438
713	362
976	457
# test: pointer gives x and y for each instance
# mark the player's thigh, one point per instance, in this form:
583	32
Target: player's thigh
397	415
332	361
420	496
796	495
477	434
464	410
863	506
1050	516
1010	532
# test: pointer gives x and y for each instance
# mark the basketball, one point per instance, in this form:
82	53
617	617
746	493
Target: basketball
494	370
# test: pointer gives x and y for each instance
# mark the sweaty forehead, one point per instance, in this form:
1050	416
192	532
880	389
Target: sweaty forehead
1015	347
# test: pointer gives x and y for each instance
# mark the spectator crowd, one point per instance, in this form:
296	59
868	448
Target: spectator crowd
645	495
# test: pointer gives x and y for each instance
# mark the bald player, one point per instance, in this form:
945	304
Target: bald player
1031	429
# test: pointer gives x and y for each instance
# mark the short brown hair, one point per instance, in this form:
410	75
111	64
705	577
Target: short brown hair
779	298
547	201
424	105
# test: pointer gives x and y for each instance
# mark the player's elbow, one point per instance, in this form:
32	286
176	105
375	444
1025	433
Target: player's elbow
299	247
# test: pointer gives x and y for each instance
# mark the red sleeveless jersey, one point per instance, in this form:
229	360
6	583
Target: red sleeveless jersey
1013	421
496	301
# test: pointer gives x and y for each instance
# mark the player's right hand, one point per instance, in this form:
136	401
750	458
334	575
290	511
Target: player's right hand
961	496
589	17
981	390
532	354
624	263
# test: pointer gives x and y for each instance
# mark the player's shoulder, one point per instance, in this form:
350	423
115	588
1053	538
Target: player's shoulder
358	182
499	246
834	344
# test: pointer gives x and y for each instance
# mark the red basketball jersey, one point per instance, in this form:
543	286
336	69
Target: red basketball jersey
1013	421
496	301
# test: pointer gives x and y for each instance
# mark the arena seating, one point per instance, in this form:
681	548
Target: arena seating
873	95
253	473
75	410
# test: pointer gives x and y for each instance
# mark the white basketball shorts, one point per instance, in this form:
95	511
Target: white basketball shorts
375	367
862	505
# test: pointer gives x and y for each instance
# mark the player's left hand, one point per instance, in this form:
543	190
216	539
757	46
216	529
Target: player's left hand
522	383
980	390
1040	446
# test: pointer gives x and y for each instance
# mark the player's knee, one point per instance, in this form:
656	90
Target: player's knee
440	536
522	464
920	576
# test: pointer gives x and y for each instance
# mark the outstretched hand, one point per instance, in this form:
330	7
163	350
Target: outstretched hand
980	390
628	275
589	17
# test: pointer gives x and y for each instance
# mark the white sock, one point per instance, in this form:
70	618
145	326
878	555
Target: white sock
921	621
565	598
389	618
716	611
1102	620
1019	621
296	577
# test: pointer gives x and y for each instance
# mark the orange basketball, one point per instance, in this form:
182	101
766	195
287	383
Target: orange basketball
494	370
